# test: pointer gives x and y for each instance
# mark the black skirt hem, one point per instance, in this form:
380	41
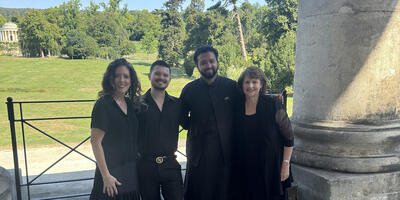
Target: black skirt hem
124	196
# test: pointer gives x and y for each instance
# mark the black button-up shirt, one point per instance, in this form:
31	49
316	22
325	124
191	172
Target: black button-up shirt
210	107
159	130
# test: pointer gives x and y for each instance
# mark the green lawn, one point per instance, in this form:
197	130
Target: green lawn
26	79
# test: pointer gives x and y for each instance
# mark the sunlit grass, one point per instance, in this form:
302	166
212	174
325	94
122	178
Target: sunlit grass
27	79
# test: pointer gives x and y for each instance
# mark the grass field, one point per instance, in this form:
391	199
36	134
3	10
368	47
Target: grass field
26	79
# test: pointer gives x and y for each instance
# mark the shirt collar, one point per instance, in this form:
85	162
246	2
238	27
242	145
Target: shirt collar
148	96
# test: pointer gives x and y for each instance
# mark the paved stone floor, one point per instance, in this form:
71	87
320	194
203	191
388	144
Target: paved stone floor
73	166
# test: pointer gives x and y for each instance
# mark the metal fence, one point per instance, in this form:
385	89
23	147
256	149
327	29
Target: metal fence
26	122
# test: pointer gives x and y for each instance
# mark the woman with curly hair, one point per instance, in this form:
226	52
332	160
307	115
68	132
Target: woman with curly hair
114	133
263	141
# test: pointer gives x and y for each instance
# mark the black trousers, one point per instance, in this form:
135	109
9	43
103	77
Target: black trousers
210	179
167	176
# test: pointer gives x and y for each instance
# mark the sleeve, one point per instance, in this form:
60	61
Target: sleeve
99	116
184	119
284	125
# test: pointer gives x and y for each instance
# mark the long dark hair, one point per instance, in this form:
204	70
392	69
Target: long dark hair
135	89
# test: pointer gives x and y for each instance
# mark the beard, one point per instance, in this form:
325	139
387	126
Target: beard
207	75
157	87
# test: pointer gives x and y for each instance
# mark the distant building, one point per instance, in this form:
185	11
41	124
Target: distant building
9	32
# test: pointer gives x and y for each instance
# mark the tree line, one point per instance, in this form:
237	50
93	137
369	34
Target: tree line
249	34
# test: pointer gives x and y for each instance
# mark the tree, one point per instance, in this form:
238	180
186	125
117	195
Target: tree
196	5
173	34
229	54
143	22
189	64
149	42
79	45
191	16
117	13
205	29
92	9
239	28
37	35
2	20
70	16
15	19
251	17
213	28
279	27
238	25
173	5
103	29
282	18
111	37
126	48
279	63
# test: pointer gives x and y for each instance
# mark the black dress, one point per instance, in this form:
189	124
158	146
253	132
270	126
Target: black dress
119	146
259	141
254	159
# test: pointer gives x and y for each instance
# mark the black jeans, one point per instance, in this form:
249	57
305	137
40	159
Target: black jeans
167	176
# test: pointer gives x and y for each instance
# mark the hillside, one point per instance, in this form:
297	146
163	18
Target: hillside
10	12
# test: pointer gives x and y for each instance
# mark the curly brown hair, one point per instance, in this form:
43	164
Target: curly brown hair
253	72
135	89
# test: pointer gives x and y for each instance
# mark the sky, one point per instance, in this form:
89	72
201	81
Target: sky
132	4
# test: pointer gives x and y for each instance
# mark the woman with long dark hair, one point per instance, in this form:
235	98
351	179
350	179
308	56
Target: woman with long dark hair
263	141
114	134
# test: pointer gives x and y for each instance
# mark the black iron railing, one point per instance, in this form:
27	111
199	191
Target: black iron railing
27	122
32	182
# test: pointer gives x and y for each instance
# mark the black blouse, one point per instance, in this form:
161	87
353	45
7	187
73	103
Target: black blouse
119	142
274	131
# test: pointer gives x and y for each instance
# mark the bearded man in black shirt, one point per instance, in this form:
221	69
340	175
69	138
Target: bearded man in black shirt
158	139
208	105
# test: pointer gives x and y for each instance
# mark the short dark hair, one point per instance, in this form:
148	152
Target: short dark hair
253	72
205	49
160	63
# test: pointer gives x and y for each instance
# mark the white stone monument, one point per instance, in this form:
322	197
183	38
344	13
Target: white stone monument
9	32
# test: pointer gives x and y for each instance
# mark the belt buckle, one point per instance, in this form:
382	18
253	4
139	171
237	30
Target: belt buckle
160	159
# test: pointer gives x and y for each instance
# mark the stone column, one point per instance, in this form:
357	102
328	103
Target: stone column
346	112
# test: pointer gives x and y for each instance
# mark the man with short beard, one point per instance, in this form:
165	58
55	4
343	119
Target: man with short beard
209	101
158	139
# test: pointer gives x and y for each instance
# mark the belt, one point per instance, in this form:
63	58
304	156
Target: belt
157	159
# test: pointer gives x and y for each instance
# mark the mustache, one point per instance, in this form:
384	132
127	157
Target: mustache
160	80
